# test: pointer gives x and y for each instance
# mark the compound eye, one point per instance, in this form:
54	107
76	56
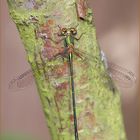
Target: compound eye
63	31
73	31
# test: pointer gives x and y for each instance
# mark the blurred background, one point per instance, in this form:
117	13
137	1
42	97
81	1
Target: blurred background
117	33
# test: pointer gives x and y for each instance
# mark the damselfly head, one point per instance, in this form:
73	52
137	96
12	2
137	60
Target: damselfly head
67	31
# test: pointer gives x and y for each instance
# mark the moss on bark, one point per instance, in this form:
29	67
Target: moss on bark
98	103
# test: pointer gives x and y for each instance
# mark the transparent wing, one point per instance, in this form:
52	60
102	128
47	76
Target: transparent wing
25	79
122	76
21	81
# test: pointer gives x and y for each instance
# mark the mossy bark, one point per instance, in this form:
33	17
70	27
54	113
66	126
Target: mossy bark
98	102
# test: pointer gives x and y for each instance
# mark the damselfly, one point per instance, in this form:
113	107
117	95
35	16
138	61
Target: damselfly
68	52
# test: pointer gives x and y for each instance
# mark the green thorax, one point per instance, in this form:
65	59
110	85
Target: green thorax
69	40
